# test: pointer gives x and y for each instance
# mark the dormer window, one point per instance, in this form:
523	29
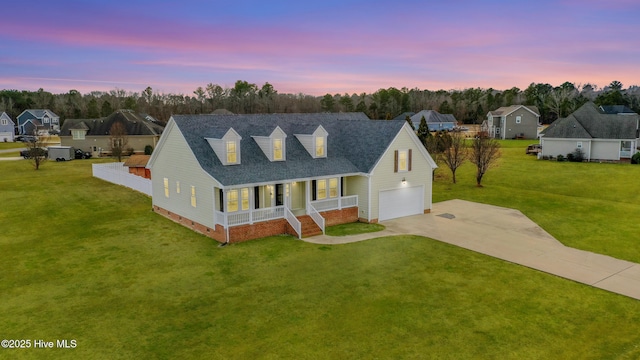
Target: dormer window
320	146
78	134
232	155
314	142
277	149
227	147
271	142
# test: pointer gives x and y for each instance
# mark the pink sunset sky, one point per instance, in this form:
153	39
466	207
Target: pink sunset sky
316	47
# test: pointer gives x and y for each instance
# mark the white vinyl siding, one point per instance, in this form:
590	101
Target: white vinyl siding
177	162
383	178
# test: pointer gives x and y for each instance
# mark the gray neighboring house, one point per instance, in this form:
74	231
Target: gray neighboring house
512	122
7	128
600	136
435	120
245	176
93	134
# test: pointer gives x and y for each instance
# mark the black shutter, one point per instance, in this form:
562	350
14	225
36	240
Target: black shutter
256	197
221	195
313	190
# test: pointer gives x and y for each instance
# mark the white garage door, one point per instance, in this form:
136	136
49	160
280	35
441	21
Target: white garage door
400	202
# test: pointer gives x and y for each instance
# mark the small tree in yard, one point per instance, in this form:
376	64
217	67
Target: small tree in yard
36	151
455	153
484	153
118	140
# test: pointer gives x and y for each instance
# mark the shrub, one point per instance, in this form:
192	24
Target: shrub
148	150
576	156
130	151
635	159
560	157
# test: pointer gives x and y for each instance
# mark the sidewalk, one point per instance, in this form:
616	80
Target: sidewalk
508	235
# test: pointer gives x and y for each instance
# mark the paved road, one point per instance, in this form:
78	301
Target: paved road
509	235
10	151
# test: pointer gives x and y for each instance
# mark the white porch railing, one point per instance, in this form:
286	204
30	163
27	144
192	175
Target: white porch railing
118	174
249	217
317	218
336	203
293	221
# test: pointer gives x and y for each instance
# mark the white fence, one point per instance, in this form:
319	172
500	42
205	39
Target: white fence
118	174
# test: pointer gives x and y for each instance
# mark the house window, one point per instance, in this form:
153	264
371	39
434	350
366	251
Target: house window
193	196
245	198
277	149
497	131
177	187
117	143
320	146
4	122
166	187
579	144
402	161
45	119
321	188
518	119
78	134
232	155
333	187
232	201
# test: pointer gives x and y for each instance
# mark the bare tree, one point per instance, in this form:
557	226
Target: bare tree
118	139
455	153
36	151
484	153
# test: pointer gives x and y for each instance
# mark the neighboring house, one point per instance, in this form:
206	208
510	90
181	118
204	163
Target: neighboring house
512	122
240	177
41	120
7	128
600	136
435	120
93	134
137	165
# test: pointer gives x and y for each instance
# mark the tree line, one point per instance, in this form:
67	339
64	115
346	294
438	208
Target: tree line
468	106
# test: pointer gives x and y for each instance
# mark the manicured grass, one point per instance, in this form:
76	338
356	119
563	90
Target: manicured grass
589	206
10	154
11	145
352	229
87	260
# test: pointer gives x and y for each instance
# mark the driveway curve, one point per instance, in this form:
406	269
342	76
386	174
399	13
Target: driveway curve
509	235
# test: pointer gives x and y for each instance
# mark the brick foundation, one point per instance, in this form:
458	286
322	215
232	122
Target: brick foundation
257	230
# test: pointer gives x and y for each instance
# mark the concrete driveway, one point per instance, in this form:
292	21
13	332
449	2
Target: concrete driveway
509	235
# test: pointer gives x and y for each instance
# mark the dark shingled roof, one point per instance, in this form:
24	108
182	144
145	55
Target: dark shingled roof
432	116
589	123
354	144
136	124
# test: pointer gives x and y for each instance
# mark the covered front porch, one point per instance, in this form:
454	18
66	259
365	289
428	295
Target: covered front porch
292	201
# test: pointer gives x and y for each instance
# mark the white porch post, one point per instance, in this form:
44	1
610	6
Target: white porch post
307	199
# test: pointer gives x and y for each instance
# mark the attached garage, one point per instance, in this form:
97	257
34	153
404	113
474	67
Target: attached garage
400	202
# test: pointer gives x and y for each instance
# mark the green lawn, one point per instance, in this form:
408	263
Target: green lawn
589	206
352	229
86	260
11	145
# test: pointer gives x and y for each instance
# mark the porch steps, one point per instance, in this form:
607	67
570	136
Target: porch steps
309	227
